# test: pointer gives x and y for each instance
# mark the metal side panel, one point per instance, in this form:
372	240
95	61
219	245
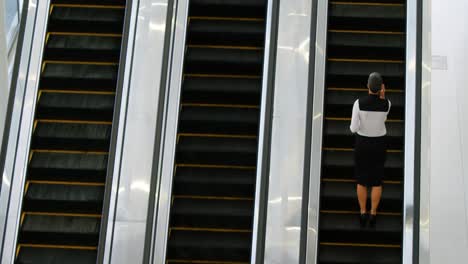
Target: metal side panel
130	194
425	182
165	170
16	158
317	131
411	120
288	135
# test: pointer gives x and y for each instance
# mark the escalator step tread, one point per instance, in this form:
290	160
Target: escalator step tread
215	246
374	11
346	159
28	255
90	137
214	182
358	255
345	228
82	48
229	33
60	230
209	213
223	61
345	190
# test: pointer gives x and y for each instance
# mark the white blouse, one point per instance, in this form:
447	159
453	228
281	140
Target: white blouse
369	118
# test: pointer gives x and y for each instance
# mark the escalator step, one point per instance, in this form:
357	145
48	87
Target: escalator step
346	159
221	120
213	246
340	79
338	135
221	90
345	228
224	61
70	106
342	196
214	181
228	8
218	151
90	137
82	48
86	19
53	229
362	45
345	69
333	254
50	255
229	33
367	16
63	198
79	76
83	167
212	213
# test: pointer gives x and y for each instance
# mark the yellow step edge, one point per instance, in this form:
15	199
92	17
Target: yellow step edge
220	105
89	6
69	151
365	3
361	90
220	230
198	197
224	47
203	261
67	183
366	60
58	246
216	135
351	149
359	245
229	76
225	18
349	119
366	32
100	63
76	92
357	212
353	181
208	166
63	214
52	33
74	122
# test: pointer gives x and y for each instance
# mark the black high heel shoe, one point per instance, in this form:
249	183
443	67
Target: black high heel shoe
372	220
363	219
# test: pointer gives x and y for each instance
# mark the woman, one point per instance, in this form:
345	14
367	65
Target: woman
368	123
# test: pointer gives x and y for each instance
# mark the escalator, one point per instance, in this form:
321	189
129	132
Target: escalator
362	38
66	174
213	192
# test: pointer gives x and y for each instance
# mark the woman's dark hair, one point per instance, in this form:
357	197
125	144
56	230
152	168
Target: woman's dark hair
375	82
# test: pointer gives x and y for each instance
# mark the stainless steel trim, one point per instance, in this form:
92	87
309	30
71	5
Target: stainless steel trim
410	123
14	173
317	131
166	168
135	165
288	133
425	181
114	183
261	134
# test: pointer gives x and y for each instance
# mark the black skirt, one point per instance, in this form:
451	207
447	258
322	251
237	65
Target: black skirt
370	154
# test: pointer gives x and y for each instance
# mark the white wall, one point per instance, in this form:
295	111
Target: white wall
449	133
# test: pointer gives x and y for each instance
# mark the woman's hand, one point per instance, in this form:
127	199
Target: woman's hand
382	92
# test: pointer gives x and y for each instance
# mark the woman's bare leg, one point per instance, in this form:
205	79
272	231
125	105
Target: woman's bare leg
362	197
376	195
